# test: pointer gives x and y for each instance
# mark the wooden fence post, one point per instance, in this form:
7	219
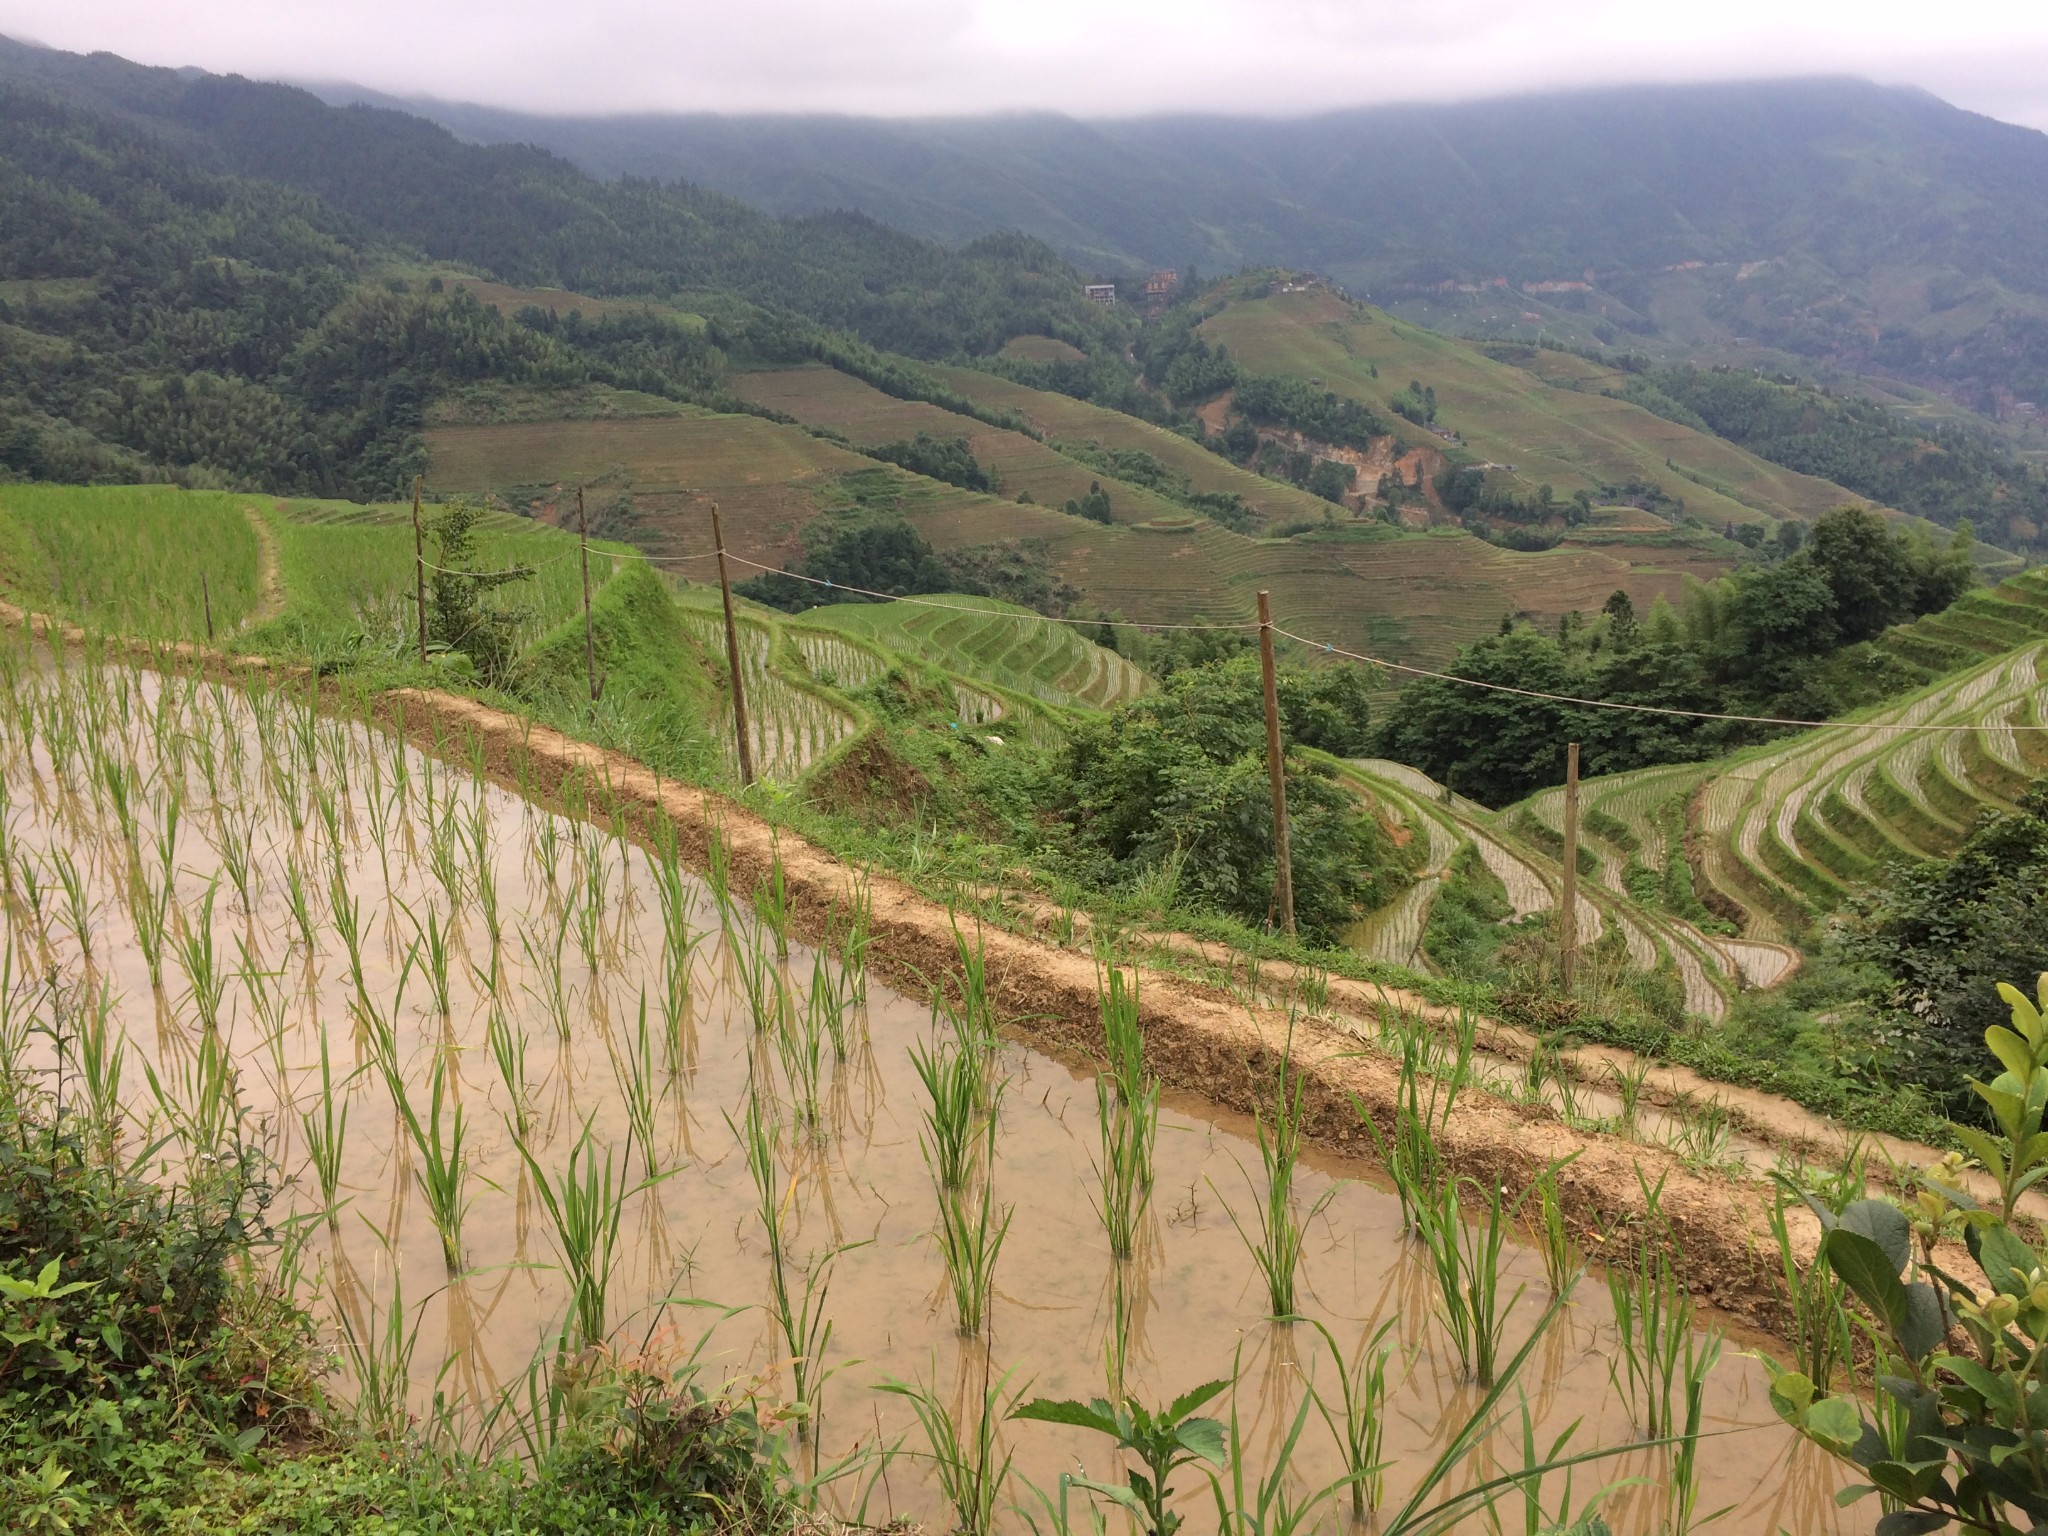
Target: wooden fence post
1568	918
1276	766
419	566
589	641
732	654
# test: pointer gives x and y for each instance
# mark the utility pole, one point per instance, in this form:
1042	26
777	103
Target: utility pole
1568	918
206	602
732	654
1276	765
419	566
589	642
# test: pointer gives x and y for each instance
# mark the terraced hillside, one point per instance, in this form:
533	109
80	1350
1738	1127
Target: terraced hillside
1568	438
1009	672
1520	850
824	397
999	644
1776	837
1067	420
1414	597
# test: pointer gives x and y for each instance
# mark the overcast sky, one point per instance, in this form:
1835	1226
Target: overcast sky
1093	58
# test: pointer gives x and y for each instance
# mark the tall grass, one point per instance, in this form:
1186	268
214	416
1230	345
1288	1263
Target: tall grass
585	1204
968	1460
439	1141
1465	1263
801	1318
1275	1234
1357	1422
1127	1116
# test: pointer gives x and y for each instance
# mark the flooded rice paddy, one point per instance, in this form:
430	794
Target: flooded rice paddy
456	1019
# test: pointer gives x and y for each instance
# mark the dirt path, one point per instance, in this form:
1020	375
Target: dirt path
1199	1038
269	573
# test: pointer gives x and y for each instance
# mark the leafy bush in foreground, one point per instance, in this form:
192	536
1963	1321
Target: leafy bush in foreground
1958	1438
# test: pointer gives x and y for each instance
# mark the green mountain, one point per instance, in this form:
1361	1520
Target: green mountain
1869	228
238	285
527	217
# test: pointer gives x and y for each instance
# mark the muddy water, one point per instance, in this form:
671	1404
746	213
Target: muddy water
861	1185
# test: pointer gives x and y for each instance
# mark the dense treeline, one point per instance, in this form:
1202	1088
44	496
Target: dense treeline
1939	471
1299	406
528	217
850	564
1753	643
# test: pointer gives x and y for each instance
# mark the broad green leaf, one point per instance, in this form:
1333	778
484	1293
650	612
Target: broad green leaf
1911	1522
1995	1389
1844	1497
48	1277
1926	1323
1884	1224
1867	1271
1835	1423
2010	1050
2025	1016
1192	1399
1791	1394
1123	1497
2004	1258
1204	1437
1047	1410
1983	1148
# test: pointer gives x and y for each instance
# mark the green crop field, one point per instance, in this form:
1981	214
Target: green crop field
141	559
1569	438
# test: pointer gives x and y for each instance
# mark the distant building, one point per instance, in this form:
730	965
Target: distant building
1160	284
1100	293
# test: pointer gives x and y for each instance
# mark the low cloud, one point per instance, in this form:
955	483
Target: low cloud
1090	58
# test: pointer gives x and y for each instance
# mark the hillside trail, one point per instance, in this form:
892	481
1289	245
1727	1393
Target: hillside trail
1199	1039
269	571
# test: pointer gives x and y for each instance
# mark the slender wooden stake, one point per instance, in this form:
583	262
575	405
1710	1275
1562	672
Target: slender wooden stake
732	654
206	601
1276	765
589	643
1568	917
419	566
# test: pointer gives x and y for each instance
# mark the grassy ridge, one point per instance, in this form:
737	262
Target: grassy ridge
1062	417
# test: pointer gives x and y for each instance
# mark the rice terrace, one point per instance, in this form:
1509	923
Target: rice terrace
673	861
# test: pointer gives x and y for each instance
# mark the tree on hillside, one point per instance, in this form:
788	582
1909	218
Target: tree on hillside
1944	935
1178	781
940	458
460	616
888	557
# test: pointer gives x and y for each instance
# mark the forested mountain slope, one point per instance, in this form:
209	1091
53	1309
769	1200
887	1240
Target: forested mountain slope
526	216
1872	227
